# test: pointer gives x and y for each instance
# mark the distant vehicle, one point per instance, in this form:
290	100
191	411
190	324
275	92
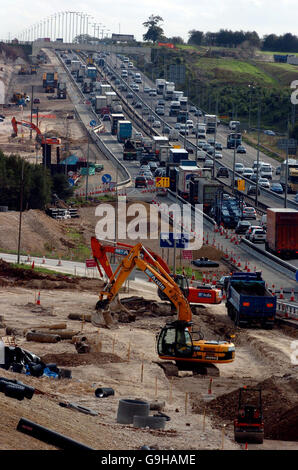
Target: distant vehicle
264	183
222	173
146	111
233	125
147	89
129	95
160	111
218	155
138	104
140	182
152	93
239	167
265	171
277	188
269	132
208	163
36	101
105	117
201	143
161	102
198	113
151	118
177	126
277	170
252	190
156	123
242	227
183	129
218	146
192	109
249	213
166	130
247	172
258	235
241	149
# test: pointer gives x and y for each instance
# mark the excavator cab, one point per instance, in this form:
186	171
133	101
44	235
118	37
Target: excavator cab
175	341
182	283
249	425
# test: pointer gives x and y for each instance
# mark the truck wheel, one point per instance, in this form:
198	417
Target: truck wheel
236	319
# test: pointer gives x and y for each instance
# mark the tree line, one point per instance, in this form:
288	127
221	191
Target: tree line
33	180
222	38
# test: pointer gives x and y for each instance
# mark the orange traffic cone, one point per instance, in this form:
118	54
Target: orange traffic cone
281	294
59	262
43	260
210	387
214	280
273	289
292	298
33	264
38	299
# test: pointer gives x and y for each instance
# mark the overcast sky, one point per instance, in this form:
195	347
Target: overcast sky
180	16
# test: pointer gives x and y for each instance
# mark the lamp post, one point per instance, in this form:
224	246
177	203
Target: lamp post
21	209
258	153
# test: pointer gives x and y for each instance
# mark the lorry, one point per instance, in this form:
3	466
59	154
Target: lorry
91	73
75	66
164	154
174	134
101	103
203	190
177	95
234	139
174	108
124	131
211	123
183	103
130	150
200	131
168	90
182	116
157	142
87	85
177	155
282	232
187	169
104	88
114	122
291	177
160	84
249	301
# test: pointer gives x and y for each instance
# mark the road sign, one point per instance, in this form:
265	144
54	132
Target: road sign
90	263
187	254
167	240
106	178
162	182
284	143
92	123
241	185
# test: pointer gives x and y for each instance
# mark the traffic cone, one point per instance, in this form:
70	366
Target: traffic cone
292	298
239	263
281	294
43	260
33	264
246	446
204	278
223	295
59	262
273	290
214	280
28	258
245	267
38	299
248	268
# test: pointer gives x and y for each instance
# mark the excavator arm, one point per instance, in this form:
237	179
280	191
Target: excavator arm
155	272
39	137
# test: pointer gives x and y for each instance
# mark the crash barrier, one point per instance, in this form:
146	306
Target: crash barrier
268	258
287	310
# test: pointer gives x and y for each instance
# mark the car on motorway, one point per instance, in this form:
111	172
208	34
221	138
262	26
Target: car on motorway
161	102
141	182
249	213
117	81
218	146
201	143
258	235
241	149
105	117
177	126
138	135
239	167
166	130
201	155
123	88
210	142
208	163
129	95
192	109
252	190
183	129
242	227
198	113
156	123
218	155
138	105
210	151
277	188
251	228
189	123
153	166
264	183
253	178
277	170
247	173
135	87
222	173
152	93
160	110
36	101
151	118
146	111
206	147
269	132
146	89
160	172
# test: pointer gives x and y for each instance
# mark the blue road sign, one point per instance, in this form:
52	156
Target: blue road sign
106	178
92	123
167	240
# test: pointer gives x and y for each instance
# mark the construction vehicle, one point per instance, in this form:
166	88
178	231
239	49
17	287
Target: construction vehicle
39	137
50	81
249	424
23	71
19	98
176	340
193	294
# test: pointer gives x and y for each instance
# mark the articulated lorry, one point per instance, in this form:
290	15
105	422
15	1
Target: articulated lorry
211	123
169	90
248	300
124	131
160	85
282	232
203	191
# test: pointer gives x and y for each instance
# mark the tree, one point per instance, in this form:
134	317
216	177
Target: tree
154	32
176	40
195	37
61	186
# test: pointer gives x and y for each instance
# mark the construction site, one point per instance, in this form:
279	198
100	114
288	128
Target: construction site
85	345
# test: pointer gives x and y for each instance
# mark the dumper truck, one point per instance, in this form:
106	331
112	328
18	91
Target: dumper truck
249	301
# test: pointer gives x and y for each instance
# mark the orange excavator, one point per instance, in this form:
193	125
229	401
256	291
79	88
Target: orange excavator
176	339
201	295
39	137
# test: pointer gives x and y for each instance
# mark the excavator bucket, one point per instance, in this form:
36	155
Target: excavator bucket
103	318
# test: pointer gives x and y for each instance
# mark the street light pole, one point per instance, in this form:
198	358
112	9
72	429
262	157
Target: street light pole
87	174
287	167
258	154
21	209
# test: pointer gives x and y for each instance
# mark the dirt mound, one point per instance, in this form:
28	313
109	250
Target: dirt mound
73	359
209	252
280	408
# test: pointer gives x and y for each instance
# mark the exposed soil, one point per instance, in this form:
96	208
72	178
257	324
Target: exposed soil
73	359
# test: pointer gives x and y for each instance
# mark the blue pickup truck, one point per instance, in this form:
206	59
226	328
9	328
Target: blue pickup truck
248	301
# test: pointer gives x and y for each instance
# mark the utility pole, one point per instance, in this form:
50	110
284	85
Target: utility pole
287	167
258	153
87	174
216	111
31	112
175	241
21	209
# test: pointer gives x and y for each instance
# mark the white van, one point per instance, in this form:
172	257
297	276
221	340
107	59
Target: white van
265	171
201	155
174	134
255	165
233	125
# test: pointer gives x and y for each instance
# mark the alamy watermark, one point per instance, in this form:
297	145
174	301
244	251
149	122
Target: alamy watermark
137	222
294	354
294	95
